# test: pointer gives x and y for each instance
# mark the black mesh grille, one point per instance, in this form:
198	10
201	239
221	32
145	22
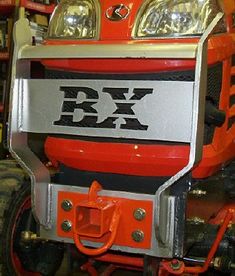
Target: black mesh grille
233	77
232	100
163	76
231	121
110	181
214	83
214	78
232	80
233	60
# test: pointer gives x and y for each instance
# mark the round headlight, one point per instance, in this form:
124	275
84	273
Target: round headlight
167	18
75	19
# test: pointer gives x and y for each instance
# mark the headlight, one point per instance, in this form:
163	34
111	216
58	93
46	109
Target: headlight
75	19
167	18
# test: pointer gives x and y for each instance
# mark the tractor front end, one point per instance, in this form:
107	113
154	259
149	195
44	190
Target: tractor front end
134	106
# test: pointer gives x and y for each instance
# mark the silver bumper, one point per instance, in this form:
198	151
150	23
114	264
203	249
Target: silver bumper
163	50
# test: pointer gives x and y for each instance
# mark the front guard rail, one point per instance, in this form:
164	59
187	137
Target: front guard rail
143	50
40	178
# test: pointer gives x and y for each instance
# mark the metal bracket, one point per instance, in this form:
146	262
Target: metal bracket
17	141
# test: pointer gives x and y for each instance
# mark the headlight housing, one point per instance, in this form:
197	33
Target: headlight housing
169	18
75	19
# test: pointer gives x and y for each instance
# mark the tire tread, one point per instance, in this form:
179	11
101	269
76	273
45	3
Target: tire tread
12	179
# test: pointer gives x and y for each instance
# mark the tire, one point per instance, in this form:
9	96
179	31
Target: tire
17	257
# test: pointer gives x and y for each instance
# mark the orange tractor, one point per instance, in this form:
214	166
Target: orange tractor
134	107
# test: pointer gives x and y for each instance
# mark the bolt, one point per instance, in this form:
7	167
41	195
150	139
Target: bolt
139	214
66	205
198	192
28	236
175	264
217	263
66	225
195	220
137	235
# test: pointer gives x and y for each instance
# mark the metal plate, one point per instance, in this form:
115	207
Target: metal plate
153	110
134	50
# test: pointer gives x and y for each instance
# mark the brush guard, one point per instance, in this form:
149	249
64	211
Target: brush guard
22	114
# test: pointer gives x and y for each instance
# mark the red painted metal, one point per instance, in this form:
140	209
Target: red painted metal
168	266
121	260
119	29
111	268
222	213
88	266
4	56
126	226
116	262
93	156
94	218
7	6
37	7
119	65
146	160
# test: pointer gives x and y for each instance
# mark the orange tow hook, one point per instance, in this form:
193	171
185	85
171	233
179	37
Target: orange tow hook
94	218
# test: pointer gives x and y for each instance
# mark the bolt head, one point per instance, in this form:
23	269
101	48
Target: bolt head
175	264
196	220
139	214
198	192
137	235
66	205
66	225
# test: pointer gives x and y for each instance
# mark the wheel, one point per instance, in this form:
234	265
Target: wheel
19	256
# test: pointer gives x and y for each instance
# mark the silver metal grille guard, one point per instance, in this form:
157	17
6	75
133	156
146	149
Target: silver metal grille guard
43	193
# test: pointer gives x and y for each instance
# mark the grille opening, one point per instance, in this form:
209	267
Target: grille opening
231	122
233	60
232	100
110	181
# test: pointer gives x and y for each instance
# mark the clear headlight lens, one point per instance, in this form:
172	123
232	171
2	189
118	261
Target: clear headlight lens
167	18
74	19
